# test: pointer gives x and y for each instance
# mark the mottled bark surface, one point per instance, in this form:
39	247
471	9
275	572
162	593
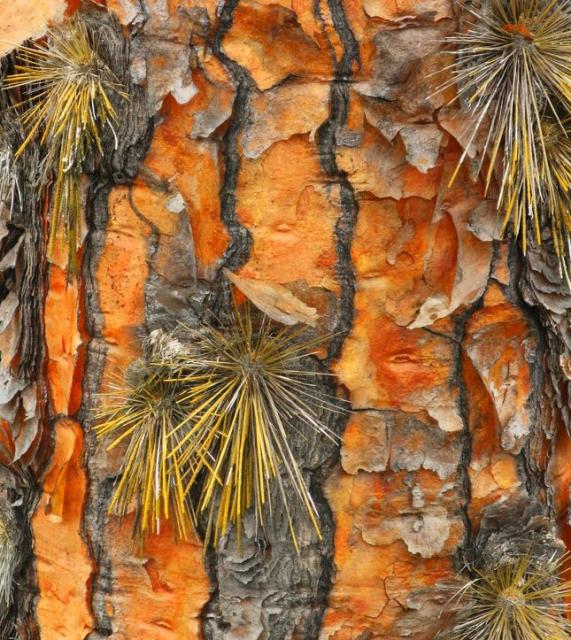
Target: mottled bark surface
299	144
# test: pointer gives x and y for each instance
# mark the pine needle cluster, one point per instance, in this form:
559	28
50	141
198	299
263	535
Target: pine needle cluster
65	99
519	599
513	73
212	437
145	412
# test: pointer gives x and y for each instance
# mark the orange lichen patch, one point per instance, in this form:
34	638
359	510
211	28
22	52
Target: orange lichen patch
504	471
271	44
62	561
411	506
385	366
62	336
191	166
305	13
282	200
153	205
366	442
160	591
24	19
121	275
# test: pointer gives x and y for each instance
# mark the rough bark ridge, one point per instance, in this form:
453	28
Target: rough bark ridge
297	144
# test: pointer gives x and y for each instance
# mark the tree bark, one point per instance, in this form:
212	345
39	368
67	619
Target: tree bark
301	144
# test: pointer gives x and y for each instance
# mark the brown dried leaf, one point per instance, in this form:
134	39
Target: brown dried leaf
275	300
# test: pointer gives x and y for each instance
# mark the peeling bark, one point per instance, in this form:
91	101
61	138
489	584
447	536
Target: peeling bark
304	148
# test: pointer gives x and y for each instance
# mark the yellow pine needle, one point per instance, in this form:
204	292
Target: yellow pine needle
513	71
556	162
516	600
245	384
210	423
146	413
66	87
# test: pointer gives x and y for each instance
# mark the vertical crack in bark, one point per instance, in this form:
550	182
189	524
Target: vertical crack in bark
285	594
239	247
327	137
98	491
465	551
238	251
533	476
119	165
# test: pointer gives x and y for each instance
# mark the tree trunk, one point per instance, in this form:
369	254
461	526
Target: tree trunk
301	144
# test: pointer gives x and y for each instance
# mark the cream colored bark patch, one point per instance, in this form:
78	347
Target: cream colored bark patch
23	19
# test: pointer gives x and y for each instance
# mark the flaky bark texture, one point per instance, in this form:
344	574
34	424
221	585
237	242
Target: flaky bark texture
298	143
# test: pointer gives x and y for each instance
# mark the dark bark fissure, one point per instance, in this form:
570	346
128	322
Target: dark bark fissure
460	323
120	165
240	245
327	141
526	508
98	491
532	475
